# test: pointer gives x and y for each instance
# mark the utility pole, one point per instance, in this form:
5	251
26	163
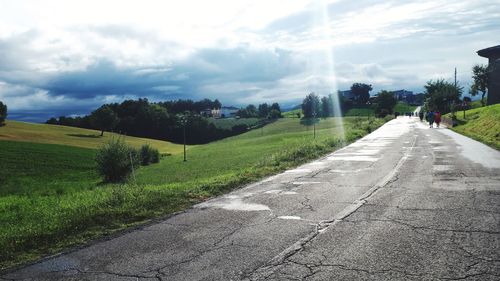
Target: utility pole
182	121
455	78
314	124
184	134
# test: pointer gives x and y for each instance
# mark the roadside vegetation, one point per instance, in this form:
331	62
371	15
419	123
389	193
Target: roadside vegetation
52	196
481	124
400	107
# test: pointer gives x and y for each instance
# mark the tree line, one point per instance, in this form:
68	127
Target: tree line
161	120
316	106
264	110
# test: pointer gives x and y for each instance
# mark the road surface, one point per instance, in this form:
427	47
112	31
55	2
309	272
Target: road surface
404	203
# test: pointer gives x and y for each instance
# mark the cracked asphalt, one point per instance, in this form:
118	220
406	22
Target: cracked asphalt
404	203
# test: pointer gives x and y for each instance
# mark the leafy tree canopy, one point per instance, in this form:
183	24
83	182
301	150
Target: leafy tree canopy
104	118
441	95
385	103
480	81
361	92
311	106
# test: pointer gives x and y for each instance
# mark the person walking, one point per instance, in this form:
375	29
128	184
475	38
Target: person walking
430	118
421	115
437	118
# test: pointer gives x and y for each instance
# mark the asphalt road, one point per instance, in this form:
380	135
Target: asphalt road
405	203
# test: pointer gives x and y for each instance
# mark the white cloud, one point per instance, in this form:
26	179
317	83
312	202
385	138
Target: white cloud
56	53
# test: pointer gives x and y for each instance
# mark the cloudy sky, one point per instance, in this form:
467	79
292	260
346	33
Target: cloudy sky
69	57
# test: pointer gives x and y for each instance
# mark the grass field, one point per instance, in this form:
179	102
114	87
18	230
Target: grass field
292	113
60	201
55	134
367	111
482	124
228	123
476	104
402	107
45	169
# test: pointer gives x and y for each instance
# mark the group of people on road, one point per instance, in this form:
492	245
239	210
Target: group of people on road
432	117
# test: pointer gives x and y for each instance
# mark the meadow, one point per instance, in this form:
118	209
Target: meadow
228	123
51	197
71	136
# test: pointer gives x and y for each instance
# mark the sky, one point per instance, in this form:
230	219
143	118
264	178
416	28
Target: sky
69	57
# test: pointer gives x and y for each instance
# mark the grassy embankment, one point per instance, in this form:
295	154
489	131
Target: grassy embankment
481	124
400	107
51	197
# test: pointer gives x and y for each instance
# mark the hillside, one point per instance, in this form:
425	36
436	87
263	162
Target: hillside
55	134
51	197
482	124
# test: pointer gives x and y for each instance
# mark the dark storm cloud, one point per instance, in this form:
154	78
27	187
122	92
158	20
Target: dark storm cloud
185	78
76	69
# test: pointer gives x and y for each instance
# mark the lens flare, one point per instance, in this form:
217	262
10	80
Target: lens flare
323	80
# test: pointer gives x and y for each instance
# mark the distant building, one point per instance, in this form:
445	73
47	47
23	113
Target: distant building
206	112
223	112
493	56
347	94
403	95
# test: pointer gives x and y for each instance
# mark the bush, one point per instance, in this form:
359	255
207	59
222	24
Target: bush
3	113
149	155
115	160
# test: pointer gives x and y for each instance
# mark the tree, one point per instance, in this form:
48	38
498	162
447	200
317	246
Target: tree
276	106
216	104
104	118
327	106
310	105
3	113
441	95
361	92
480	84
385	103
52	121
274	114
248	112
263	110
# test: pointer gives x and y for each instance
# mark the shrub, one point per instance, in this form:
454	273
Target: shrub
3	113
115	160
149	155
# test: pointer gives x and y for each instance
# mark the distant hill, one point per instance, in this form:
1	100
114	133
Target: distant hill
72	136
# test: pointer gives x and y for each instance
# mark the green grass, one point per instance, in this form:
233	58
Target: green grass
361	111
481	124
402	107
292	113
476	104
55	134
228	123
70	206
44	169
